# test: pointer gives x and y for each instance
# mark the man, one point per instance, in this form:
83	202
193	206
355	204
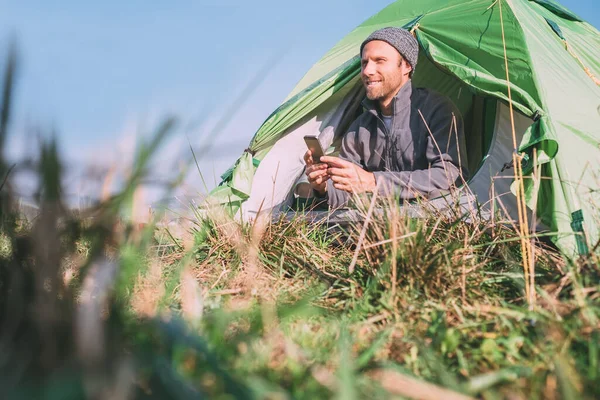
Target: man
409	142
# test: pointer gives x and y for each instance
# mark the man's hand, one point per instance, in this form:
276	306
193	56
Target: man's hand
349	177
316	173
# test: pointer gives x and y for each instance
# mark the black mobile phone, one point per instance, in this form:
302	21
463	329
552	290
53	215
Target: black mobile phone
315	148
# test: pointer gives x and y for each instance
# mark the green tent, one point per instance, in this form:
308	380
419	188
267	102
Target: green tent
553	70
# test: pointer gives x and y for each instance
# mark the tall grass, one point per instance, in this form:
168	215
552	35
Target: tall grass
459	317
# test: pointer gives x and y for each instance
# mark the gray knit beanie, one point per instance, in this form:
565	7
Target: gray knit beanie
401	39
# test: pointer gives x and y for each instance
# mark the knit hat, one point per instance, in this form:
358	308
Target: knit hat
400	39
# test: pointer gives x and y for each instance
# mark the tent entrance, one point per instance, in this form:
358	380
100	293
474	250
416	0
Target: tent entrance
488	136
487	129
478	112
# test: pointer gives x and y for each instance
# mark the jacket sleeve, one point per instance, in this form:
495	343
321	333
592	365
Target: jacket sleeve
351	148
445	153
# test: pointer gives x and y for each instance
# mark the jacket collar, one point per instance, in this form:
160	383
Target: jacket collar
399	102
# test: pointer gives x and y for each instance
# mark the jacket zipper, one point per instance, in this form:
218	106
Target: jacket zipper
388	151
389	160
386	134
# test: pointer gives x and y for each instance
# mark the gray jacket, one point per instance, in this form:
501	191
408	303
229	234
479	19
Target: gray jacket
424	155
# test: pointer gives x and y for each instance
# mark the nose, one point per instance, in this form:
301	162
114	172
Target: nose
368	68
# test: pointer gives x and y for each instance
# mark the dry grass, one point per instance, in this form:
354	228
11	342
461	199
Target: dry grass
148	291
451	278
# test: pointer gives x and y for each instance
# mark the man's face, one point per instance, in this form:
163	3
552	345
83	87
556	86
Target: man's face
383	70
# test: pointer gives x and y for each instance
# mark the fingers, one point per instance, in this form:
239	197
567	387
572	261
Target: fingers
338	172
321	179
328	159
343	183
317	180
316	174
340	180
308	158
316	167
335	162
343	187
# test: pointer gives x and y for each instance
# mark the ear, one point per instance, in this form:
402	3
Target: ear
405	66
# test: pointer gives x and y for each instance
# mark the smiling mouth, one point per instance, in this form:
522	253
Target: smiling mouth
372	83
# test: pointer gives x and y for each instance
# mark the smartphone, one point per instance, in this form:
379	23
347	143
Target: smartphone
315	148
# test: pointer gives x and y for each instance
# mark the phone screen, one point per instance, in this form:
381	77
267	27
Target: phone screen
315	148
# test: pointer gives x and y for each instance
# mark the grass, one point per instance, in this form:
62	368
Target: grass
435	307
458	317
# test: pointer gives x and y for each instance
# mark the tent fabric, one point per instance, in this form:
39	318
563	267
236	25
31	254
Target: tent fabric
281	167
553	70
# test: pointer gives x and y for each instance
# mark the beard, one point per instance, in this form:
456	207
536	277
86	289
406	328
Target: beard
374	93
380	90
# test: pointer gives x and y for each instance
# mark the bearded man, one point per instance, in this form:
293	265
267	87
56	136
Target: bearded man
409	142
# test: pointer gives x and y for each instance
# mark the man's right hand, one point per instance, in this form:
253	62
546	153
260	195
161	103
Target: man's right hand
316	173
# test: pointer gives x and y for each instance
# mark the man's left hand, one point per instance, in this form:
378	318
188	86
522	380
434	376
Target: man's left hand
349	177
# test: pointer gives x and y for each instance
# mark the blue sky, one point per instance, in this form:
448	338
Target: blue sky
98	73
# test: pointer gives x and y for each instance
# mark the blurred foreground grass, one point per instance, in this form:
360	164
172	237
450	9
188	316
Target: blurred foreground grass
102	308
